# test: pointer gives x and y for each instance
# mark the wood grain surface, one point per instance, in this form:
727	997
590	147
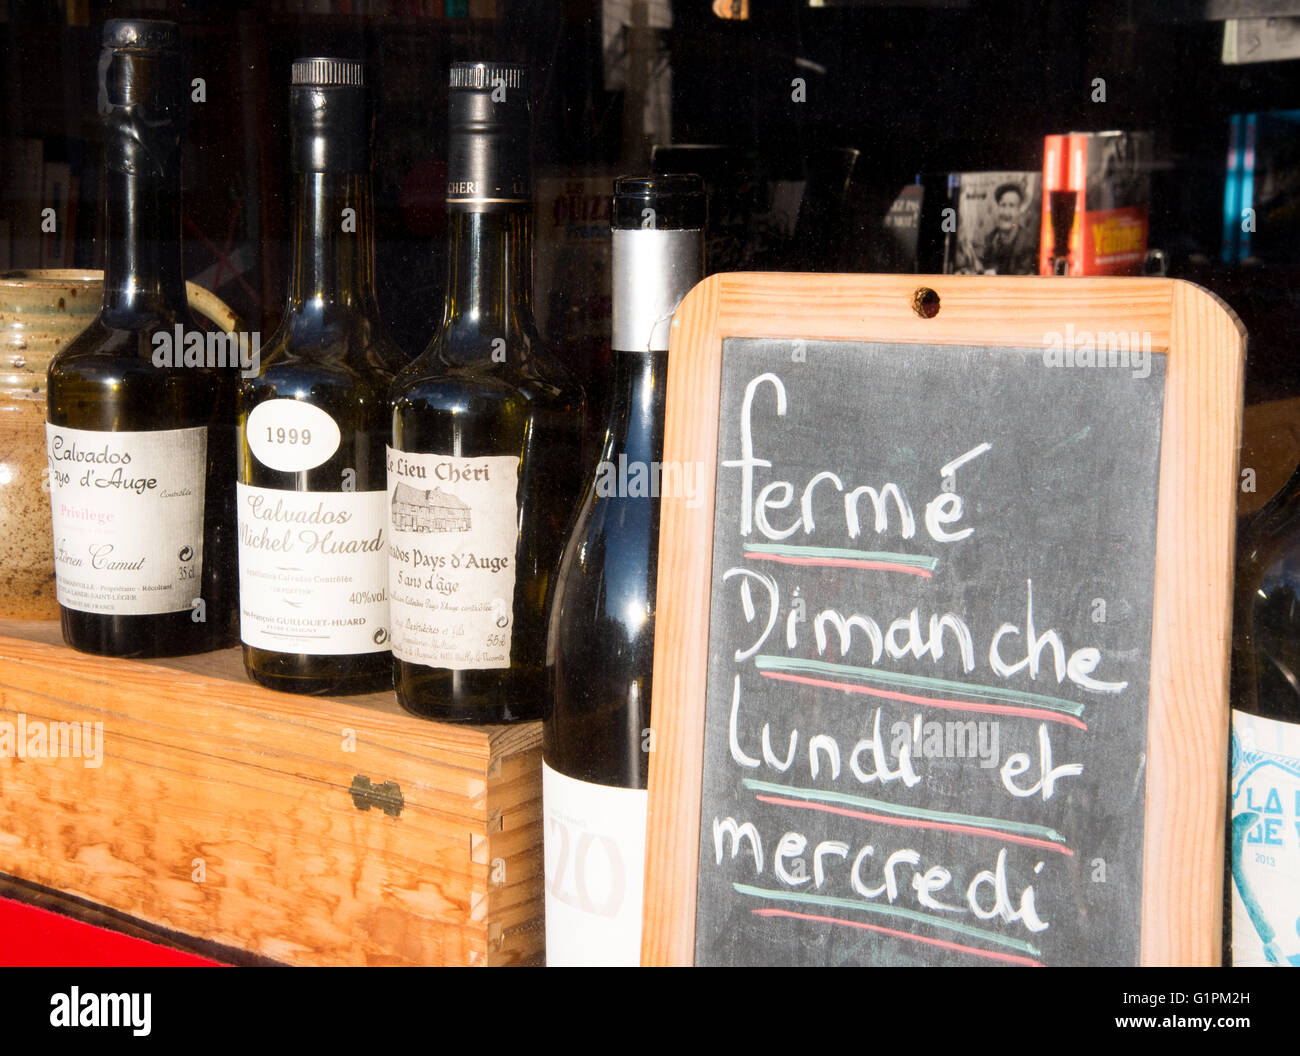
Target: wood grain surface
224	810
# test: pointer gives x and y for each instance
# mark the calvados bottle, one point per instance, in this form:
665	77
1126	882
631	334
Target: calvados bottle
313	546
596	734
1264	791
484	469
140	433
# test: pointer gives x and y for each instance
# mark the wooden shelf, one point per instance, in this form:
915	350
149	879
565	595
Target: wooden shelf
214	807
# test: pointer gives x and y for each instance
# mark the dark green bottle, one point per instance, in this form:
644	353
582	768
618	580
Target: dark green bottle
1263	889
595	747
141	418
313	548
484	472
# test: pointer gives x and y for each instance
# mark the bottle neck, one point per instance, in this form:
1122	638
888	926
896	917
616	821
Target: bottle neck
651	271
332	270
143	274
490	273
636	414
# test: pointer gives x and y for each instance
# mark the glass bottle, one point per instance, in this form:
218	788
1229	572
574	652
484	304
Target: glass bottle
140	433
1264	790
595	738
484	468
313	550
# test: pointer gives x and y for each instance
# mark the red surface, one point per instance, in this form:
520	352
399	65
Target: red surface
34	937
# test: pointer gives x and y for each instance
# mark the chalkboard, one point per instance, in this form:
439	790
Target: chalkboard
941	649
908	791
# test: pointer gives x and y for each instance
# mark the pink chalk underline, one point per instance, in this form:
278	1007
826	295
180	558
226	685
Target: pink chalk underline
843	562
994	955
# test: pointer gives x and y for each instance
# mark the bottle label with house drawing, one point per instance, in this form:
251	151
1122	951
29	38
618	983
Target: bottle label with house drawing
453	529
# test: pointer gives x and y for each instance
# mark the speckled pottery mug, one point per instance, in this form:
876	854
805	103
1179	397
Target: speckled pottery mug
40	312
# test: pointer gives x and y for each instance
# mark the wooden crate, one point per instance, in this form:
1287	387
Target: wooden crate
308	830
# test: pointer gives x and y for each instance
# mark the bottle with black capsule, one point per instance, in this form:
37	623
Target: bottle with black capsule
1263	836
595	737
141	409
484	468
313	422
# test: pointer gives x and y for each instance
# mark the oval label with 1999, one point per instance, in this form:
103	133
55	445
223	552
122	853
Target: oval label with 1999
290	435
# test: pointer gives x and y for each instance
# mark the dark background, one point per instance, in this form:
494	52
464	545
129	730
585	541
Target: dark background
918	87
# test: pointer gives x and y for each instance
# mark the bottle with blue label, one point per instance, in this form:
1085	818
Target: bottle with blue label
1264	789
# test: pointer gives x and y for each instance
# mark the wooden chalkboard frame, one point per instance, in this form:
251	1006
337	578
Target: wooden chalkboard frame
1188	707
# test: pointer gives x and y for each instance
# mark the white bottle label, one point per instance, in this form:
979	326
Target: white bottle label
128	518
1265	841
291	435
453	530
595	861
313	571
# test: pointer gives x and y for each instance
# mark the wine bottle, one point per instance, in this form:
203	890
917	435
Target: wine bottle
140	428
313	423
1264	815
484	470
596	734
